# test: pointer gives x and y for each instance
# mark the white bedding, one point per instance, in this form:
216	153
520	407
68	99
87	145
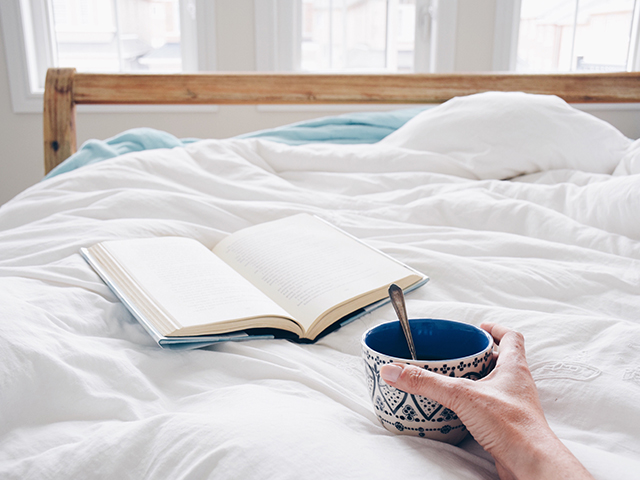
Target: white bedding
554	253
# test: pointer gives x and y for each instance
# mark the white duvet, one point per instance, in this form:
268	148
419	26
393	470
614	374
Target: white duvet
554	252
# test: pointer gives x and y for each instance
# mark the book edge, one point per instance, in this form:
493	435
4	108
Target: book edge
181	343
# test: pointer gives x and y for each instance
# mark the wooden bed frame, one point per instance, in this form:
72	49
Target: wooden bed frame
64	89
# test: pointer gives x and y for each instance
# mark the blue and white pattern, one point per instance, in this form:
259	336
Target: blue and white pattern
408	414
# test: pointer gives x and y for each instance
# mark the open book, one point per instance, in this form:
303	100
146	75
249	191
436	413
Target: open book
299	275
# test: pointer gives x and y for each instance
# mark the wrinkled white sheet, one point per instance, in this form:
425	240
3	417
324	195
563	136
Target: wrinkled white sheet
554	253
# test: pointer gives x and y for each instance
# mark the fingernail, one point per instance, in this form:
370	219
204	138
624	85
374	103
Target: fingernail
390	373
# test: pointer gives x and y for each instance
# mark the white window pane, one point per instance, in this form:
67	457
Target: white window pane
316	35
357	35
570	35
546	35
118	35
602	35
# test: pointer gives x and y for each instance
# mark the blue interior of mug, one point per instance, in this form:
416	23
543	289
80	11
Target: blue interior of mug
434	339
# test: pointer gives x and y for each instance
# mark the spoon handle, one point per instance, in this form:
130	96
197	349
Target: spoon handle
397	300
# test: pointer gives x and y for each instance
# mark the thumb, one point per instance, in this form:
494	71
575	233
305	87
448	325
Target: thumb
416	380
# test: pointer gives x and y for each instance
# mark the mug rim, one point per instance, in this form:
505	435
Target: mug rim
489	346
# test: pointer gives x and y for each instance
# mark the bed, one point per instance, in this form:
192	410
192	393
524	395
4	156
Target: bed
521	209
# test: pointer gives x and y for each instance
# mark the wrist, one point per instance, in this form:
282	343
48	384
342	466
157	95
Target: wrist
540	454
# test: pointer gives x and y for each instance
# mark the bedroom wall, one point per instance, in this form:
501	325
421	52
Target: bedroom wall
21	157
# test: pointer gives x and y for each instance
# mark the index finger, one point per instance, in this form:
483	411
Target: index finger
510	341
495	330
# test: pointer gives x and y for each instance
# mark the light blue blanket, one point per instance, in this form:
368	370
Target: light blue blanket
363	127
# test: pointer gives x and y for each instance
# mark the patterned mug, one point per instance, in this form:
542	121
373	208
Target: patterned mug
447	347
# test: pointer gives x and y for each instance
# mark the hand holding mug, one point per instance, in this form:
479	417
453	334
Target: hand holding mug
502	411
450	348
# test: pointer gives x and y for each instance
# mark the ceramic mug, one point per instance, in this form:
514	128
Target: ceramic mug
447	347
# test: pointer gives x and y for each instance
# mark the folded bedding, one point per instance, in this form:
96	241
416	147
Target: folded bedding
521	209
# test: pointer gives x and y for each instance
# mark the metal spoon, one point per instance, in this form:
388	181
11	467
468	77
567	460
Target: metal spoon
397	300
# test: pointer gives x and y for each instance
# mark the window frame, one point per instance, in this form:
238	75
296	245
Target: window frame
26	27
633	58
277	35
277	48
505	35
507	27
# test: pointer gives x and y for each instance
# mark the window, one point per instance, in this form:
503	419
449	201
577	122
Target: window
355	35
117	35
367	35
154	36
567	35
570	35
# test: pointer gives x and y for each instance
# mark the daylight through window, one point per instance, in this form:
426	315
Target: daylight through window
575	35
117	35
357	35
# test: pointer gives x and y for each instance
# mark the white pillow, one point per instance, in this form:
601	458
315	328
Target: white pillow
502	135
630	163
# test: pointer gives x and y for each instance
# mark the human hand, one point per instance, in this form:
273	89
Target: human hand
502	411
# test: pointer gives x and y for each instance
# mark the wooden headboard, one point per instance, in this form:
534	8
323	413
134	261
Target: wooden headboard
64	89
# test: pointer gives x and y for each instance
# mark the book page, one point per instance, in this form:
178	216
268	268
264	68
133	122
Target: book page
306	265
192	285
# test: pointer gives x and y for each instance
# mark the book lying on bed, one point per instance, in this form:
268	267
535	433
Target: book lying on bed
298	275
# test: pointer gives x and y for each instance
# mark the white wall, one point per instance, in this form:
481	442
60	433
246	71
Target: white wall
21	152
474	42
